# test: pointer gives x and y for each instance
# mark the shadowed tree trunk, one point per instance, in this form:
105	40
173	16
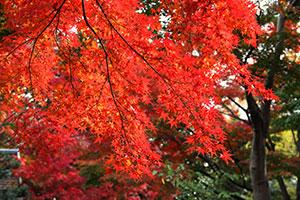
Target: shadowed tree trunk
258	172
283	189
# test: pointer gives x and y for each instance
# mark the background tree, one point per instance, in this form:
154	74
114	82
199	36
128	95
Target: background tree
259	114
274	62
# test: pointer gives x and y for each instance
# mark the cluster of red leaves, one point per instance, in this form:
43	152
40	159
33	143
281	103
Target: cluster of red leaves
73	67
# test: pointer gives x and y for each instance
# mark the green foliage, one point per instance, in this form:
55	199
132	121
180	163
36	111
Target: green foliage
197	180
3	31
10	190
93	174
150	7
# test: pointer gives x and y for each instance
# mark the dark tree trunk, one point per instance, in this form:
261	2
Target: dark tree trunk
258	170
283	189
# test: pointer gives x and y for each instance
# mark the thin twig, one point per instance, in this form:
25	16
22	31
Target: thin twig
16	49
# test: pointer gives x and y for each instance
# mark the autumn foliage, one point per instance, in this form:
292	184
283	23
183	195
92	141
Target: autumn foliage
110	70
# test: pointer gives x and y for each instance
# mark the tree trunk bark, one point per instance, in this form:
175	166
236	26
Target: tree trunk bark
283	189
258	170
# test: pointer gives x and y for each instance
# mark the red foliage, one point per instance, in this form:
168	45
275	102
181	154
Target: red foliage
97	67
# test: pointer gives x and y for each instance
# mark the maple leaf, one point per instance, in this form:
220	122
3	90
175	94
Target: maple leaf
164	115
146	99
190	140
226	156
172	122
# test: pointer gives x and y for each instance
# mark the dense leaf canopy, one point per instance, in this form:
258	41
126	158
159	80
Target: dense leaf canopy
112	69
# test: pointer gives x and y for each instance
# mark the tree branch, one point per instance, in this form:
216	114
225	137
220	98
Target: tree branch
36	39
107	69
164	78
239	105
232	114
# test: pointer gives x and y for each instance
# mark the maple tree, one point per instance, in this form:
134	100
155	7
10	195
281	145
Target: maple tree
110	70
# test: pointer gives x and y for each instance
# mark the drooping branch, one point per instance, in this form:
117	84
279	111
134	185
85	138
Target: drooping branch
107	66
36	39
14	49
164	78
